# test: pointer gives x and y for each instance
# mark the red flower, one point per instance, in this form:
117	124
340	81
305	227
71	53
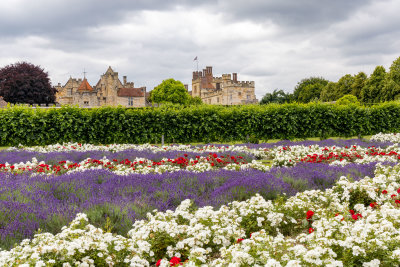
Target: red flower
354	216
373	204
310	230
398	190
309	214
393	196
175	261
158	262
250	234
384	192
397	201
351	212
185	155
215	156
239	240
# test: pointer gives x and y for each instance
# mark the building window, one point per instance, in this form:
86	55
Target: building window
218	86
217	99
240	93
130	101
86	102
209	101
248	97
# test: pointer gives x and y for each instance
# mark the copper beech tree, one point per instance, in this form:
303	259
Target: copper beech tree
26	83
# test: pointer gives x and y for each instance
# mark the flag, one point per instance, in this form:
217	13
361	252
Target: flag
195	58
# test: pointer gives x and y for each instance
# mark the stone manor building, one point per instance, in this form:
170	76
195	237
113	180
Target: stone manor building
109	91
225	90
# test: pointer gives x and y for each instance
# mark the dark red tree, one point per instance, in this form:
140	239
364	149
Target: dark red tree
26	83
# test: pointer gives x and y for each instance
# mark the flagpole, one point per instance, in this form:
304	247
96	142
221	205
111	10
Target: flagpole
197	62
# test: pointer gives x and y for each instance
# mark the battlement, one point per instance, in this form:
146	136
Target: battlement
207	72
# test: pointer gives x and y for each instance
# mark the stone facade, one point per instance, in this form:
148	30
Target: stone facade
109	91
3	104
225	90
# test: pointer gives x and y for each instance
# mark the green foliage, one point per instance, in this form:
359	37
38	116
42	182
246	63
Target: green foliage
328	93
344	86
170	91
359	82
348	100
195	101
391	89
309	89
359	196
187	124
372	92
277	96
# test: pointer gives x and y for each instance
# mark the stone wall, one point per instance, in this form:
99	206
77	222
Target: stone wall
224	90
137	101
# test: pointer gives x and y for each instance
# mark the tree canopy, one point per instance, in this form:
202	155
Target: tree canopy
277	96
391	89
170	91
373	88
309	89
24	82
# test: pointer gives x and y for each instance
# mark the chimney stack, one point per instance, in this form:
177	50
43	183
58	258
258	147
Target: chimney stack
209	70
124	77
234	77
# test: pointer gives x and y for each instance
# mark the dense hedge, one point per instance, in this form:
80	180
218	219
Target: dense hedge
22	125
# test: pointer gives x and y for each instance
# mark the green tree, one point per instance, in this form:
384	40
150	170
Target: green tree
328	93
195	101
344	86
359	82
391	89
373	89
170	91
277	96
348	100
309	89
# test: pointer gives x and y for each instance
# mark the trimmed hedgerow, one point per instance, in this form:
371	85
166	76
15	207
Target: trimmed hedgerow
205	123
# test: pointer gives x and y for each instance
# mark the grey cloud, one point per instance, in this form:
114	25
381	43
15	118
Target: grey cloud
65	17
300	16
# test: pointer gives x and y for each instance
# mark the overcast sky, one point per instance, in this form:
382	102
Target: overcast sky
275	43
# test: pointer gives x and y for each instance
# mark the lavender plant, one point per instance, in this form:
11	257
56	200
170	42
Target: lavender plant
114	202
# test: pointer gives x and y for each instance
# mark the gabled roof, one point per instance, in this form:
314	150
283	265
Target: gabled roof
109	70
85	86
130	92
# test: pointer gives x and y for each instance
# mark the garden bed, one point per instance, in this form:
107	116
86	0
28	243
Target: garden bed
317	205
